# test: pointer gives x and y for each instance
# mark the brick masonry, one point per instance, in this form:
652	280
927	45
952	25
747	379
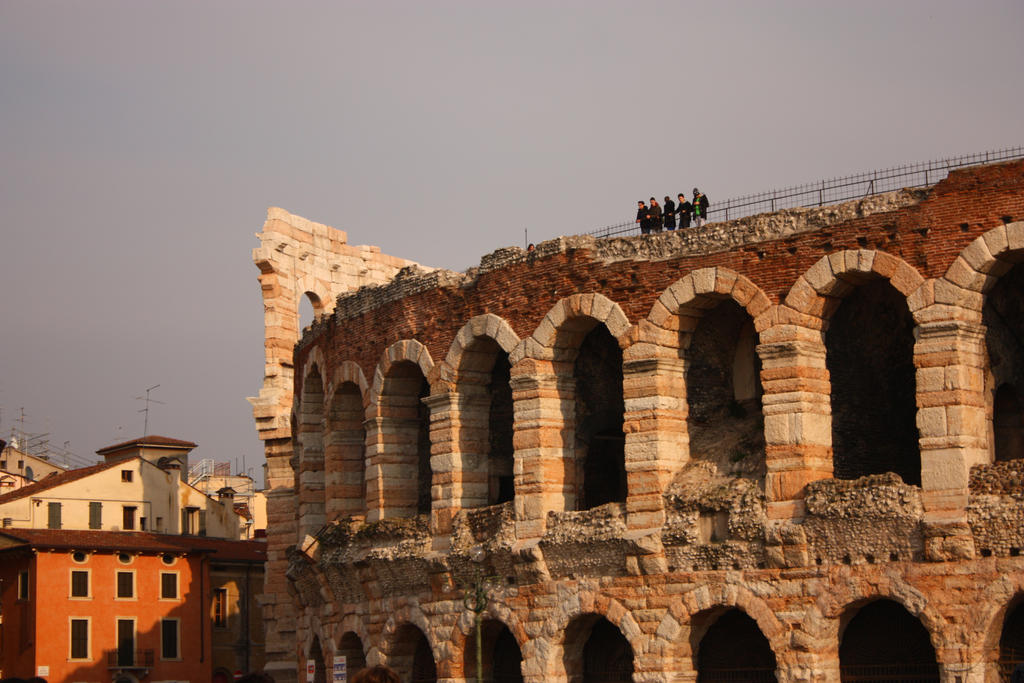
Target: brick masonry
783	541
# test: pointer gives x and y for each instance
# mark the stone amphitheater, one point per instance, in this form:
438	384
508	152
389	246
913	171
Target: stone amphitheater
782	448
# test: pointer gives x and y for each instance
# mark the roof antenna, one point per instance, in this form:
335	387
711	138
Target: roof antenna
148	400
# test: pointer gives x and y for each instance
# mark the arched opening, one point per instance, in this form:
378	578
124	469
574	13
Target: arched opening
870	359
723	388
405	425
882	641
345	469
351	648
1003	317
731	647
600	441
502	659
485	424
311	454
310	308
595	651
1008	425
412	657
317	656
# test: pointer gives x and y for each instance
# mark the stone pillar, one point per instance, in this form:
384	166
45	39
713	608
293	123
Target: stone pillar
459	476
344	472
545	474
797	419
953	430
278	609
311	474
657	443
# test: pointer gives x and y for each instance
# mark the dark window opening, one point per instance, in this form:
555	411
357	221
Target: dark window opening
319	667
169	586
600	442
79	639
502	659
220	607
500	485
125	584
126	475
884	642
351	647
1011	641
125	642
734	649
412	657
1003	317
79	584
128	518
597	652
725	422
169	639
870	359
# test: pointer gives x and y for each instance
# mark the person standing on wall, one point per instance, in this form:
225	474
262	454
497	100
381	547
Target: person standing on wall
655	213
684	209
642	217
700	207
669	214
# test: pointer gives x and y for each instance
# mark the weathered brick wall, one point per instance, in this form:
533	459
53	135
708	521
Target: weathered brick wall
769	532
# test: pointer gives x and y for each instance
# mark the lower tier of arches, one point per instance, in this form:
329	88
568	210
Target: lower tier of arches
954	622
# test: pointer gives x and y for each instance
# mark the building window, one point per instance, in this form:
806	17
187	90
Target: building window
125	558
79	583
168	585
79	639
3	464
23	585
79	557
159	527
193	521
126	476
169	639
128	524
220	607
142	523
126	585
125	642
95	515
53	515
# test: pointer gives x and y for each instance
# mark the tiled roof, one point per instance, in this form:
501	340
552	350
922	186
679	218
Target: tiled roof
57	479
133	541
152	440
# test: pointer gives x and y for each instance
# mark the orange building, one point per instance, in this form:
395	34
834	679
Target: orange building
116	607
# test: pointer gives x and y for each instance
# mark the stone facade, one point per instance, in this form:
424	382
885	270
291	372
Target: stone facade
296	258
775	448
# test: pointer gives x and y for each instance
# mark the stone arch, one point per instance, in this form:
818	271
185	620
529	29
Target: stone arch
395	647
582	603
311	424
479	419
817	292
882	636
978	266
704	330
353	635
865	306
996	602
407	350
712	600
345	443
315	652
844	596
399	474
553	333
487	325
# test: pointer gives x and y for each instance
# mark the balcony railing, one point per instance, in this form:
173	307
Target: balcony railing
129	659
836	190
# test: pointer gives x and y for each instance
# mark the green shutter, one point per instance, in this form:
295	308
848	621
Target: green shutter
53	522
95	515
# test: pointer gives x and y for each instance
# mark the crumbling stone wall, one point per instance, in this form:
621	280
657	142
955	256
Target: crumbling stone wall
700	544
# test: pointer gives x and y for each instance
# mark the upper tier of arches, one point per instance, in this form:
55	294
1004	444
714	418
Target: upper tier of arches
862	350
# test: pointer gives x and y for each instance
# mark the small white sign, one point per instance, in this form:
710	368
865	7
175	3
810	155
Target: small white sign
310	670
340	669
42	670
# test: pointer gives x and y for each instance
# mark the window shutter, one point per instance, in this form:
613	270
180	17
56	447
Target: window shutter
54	516
95	515
202	522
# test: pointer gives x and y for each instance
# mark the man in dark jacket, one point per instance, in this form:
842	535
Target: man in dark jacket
700	207
669	214
642	217
684	209
655	213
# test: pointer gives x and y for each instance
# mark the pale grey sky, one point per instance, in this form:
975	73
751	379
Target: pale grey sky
142	142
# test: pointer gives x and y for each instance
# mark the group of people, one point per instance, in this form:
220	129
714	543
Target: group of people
654	218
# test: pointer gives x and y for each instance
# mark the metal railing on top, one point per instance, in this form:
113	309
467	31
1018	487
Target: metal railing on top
836	190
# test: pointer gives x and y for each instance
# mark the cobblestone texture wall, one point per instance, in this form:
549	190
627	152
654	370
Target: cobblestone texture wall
757	524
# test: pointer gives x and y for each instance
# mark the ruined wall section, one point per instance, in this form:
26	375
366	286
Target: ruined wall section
296	257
